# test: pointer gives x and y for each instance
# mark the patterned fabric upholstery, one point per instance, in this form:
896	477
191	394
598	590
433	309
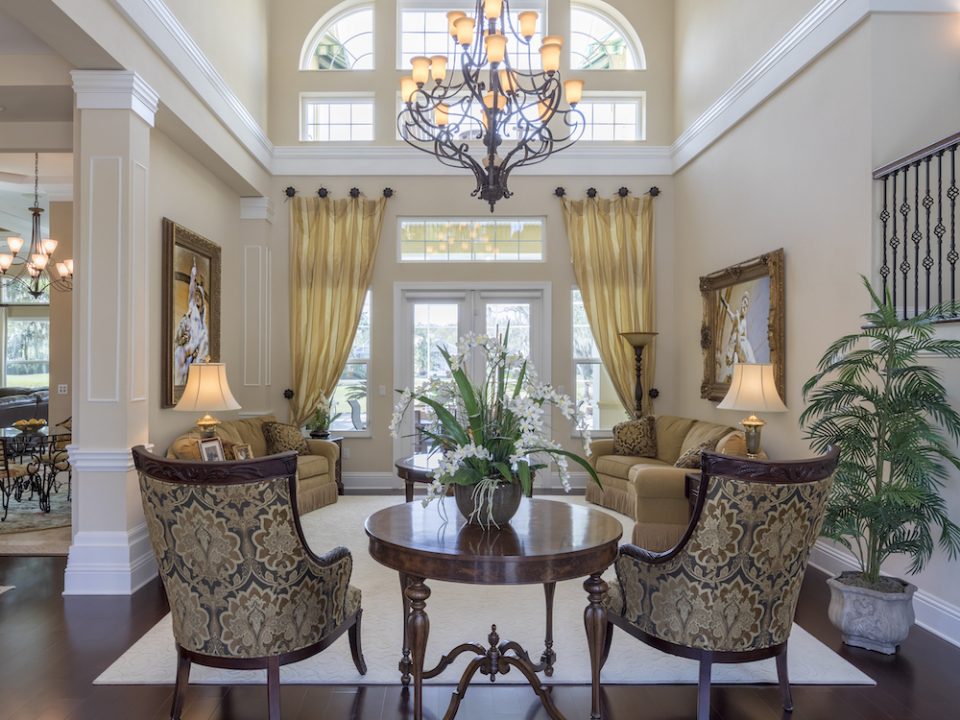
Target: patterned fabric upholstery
690	458
281	437
240	582
635	437
733	585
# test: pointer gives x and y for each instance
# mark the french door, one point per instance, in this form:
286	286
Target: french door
434	316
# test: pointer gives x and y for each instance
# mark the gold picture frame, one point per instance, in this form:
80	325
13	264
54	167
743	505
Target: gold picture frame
743	321
242	451
191	306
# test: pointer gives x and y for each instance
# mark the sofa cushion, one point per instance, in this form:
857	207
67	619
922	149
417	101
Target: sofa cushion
636	438
671	432
704	433
281	437
619	466
309	466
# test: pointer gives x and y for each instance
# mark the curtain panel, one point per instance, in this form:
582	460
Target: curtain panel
611	243
333	245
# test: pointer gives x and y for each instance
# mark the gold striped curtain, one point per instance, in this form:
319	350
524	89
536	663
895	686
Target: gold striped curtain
611	243
333	245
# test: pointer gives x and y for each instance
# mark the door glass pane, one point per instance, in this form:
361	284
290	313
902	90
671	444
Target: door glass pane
28	353
434	323
517	316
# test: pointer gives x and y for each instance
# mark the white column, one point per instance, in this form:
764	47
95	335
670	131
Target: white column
114	113
256	288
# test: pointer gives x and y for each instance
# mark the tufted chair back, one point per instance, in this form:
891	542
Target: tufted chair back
732	583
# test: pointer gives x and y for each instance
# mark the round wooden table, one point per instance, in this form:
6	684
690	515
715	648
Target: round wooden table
546	542
416	469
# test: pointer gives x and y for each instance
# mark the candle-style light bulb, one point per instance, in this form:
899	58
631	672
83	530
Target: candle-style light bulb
496	47
15	243
6	260
492	8
438	68
38	260
550	57
421	69
465	27
452	18
48	245
528	23
573	89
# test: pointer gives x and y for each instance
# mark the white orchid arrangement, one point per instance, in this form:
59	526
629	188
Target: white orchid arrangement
494	431
324	415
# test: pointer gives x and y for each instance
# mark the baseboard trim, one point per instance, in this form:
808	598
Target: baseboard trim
109	563
934	614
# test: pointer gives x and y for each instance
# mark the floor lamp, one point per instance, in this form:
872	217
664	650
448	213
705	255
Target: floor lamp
640	340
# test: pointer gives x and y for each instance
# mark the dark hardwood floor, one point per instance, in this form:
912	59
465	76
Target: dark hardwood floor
51	649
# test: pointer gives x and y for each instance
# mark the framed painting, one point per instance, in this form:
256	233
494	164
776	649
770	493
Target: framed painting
191	306
743	321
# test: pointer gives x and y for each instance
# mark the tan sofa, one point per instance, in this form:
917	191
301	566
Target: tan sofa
651	490
316	483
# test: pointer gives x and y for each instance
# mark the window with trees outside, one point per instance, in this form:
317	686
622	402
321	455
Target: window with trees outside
594	388
343	43
471	239
26	357
350	399
599	42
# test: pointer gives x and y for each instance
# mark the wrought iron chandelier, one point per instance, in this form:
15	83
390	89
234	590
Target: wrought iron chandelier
33	271
518	116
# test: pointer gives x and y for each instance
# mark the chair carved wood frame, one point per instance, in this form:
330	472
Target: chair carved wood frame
728	591
245	590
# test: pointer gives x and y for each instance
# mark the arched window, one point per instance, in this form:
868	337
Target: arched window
341	40
601	38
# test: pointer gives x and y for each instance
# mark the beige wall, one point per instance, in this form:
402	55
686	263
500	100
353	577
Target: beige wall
797	174
717	41
184	191
233	35
61	318
451	196
292	20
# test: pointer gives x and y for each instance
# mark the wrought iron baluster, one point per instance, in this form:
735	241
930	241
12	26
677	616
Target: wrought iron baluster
928	205
940	230
916	237
905	265
884	218
952	193
894	241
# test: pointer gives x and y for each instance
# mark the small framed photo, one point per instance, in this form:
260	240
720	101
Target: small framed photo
211	450
242	452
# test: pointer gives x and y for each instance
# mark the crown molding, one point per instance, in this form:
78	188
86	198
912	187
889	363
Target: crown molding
256	208
164	32
403	160
827	23
115	90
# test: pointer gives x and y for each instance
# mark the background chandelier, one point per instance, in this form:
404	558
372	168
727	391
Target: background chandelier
32	272
518	116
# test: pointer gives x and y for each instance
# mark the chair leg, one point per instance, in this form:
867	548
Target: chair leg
784	679
180	689
703	688
355	647
273	688
608	640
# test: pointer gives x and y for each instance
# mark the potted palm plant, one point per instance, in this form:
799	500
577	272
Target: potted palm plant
491	436
874	397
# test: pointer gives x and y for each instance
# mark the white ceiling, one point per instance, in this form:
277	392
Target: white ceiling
15	39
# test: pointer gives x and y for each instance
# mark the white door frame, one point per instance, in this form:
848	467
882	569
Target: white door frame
401	366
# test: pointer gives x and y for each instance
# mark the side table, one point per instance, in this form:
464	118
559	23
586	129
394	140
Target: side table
338	470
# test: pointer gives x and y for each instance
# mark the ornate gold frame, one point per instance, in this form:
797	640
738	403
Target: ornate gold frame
177	235
769	264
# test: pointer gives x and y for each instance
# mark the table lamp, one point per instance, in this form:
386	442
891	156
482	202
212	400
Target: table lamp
753	389
207	391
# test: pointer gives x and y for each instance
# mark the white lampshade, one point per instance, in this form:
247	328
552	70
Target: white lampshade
207	389
754	389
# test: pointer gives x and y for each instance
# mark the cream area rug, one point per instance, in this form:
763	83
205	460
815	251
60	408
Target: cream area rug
464	613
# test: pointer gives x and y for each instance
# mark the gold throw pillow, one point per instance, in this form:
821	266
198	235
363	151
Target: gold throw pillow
691	457
637	438
281	437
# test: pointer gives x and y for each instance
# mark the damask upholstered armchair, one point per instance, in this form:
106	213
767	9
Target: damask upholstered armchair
728	591
245	590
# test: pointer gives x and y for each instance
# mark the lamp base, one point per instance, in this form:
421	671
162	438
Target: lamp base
208	425
751	429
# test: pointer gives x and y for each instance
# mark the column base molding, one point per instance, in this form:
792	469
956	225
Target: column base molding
110	563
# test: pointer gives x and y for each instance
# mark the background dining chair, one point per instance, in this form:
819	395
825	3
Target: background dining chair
728	591
245	590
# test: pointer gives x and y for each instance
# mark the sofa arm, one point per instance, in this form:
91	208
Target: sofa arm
660	481
599	448
327	449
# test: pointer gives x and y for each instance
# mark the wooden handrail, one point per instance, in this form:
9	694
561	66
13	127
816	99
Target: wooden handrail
917	156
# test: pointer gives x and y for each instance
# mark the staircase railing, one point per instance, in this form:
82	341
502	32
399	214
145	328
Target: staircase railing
918	221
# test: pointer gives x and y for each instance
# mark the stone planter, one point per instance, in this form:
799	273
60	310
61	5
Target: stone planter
871	619
503	505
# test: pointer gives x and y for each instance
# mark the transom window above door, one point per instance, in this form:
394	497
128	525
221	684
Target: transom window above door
468	239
